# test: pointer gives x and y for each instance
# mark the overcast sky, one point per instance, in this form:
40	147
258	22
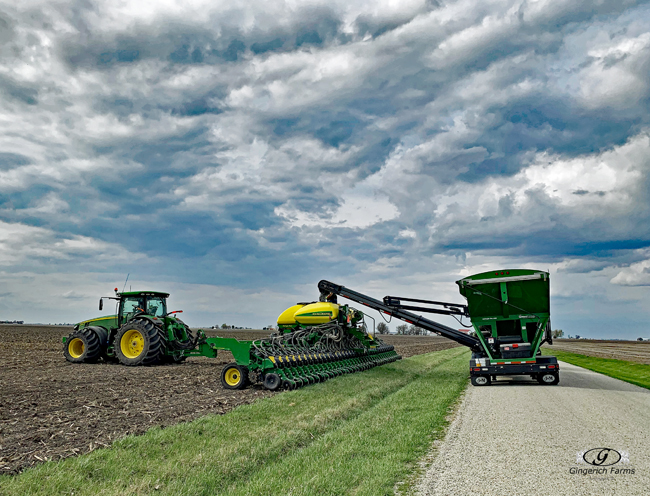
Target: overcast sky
235	153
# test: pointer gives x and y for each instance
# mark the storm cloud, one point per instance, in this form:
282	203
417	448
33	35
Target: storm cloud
252	149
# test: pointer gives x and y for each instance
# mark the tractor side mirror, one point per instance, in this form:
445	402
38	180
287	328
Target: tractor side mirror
101	304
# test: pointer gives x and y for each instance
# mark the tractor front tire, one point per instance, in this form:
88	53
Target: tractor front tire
82	346
234	376
139	342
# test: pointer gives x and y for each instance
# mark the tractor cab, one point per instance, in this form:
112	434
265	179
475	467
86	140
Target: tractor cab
133	303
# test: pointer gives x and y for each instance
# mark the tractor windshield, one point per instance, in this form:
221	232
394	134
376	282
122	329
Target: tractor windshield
130	306
156	306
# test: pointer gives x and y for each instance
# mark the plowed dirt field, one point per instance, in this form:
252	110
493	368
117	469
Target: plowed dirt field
51	409
632	351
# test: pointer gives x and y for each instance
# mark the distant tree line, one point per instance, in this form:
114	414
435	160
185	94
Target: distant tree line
404	329
411	330
228	326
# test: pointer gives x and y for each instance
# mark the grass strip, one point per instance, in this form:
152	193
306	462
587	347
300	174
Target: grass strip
632	372
232	453
372	452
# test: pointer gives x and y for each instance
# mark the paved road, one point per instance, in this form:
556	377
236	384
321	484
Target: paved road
522	439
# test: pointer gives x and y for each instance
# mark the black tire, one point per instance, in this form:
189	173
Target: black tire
102	334
139	342
189	343
481	380
272	381
82	347
234	376
548	378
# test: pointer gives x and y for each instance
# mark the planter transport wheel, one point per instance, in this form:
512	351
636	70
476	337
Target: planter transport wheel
272	381
234	376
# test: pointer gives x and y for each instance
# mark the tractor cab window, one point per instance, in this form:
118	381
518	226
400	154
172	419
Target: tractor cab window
131	306
156	306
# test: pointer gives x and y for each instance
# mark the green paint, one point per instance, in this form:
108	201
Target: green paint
506	301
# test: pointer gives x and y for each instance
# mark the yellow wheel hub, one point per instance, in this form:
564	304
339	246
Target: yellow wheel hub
76	348
233	377
132	343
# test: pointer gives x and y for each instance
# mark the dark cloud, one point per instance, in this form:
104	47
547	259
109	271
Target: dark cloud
257	145
10	160
6	28
13	90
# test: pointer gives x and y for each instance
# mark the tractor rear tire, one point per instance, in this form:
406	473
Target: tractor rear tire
234	376
82	346
190	341
139	342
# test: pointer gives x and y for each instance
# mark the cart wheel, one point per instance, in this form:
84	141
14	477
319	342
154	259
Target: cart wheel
548	378
481	380
234	376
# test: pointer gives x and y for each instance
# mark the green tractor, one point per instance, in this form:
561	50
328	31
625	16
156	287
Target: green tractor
142	332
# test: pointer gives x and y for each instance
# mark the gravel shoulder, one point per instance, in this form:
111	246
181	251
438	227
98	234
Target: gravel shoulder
523	438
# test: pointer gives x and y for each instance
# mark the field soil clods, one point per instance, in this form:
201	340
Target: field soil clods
52	409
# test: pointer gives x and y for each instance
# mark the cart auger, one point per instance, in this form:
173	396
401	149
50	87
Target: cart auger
509	312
